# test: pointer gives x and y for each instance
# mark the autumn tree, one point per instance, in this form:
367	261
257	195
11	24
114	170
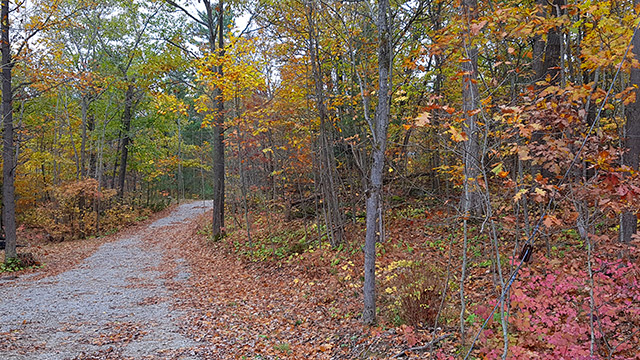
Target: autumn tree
218	125
124	57
14	48
212	22
471	197
327	162
379	134
629	221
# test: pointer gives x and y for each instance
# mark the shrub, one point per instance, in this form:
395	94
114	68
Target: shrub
119	215
23	261
11	265
71	214
550	312
411	292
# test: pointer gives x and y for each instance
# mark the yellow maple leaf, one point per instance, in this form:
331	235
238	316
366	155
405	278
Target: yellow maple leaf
423	119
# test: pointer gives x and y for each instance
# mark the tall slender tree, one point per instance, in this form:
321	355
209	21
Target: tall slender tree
127	116
327	168
379	129
8	149
218	126
212	21
471	196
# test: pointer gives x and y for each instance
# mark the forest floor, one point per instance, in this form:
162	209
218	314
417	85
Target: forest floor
162	290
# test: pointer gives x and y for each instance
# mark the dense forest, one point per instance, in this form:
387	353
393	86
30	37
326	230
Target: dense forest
465	171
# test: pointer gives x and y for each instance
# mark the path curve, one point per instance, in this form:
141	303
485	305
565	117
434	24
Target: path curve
116	304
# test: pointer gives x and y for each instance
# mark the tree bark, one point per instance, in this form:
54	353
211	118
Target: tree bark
538	48
8	152
379	129
218	136
546	56
471	199
551	66
124	145
214	24
84	104
87	129
546	62
91	125
628	220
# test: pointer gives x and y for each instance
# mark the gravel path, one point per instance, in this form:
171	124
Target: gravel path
115	304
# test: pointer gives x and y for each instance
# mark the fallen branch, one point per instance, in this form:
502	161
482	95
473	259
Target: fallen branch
3	245
423	347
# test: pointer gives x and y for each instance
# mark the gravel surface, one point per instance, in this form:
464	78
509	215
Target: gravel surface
115	304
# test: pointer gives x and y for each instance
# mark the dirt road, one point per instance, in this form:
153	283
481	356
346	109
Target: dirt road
116	304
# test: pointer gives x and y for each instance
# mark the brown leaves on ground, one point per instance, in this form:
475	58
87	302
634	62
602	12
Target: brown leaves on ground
301	307
119	332
271	311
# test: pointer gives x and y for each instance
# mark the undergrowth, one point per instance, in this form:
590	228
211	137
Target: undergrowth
418	285
12	265
23	261
277	245
411	292
551	307
78	210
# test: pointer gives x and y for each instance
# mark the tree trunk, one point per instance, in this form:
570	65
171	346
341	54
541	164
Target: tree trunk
8	155
471	199
218	137
546	62
76	156
180	170
538	48
379	129
124	145
115	162
546	56
471	196
551	65
84	105
628	220
91	125
214	24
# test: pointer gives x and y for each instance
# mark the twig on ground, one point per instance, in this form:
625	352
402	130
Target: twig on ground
423	347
